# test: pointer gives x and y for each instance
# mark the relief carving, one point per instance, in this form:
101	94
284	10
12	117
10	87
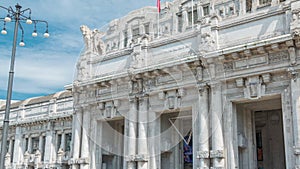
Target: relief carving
202	154
278	57
295	24
217	154
207	43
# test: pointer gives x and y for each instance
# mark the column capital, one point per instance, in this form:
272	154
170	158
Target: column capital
215	85
293	74
132	98
202	87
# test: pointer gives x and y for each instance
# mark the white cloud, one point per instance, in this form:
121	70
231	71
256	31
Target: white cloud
46	65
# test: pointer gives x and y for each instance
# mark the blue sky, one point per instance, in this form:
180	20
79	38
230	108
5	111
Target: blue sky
45	66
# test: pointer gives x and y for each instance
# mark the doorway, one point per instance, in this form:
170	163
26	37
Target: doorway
176	140
269	139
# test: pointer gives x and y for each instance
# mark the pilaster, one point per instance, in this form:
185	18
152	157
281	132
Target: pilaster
18	147
76	137
50	148
132	133
142	144
217	152
201	129
84	151
295	98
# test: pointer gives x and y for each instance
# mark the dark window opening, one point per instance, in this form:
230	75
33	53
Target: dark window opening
135	33
68	142
147	31
125	39
206	10
248	5
265	2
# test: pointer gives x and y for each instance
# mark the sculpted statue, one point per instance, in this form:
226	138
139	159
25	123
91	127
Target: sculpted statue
87	35
93	40
98	44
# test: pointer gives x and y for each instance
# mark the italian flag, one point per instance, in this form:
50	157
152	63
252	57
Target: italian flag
158	5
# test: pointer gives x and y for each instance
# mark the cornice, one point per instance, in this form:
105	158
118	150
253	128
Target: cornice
250	45
113	55
173	38
249	18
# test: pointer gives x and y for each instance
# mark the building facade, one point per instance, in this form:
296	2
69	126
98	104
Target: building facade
203	84
40	132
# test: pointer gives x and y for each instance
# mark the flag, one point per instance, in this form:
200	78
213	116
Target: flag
158	6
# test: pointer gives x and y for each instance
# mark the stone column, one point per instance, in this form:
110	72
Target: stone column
185	21
201	130
50	147
76	136
63	140
287	119
295	92
41	143
84	154
142	132
10	146
217	152
18	146
132	133
153	139
29	144
199	11
242	5
94	143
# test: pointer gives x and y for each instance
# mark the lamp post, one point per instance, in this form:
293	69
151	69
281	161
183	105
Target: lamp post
18	16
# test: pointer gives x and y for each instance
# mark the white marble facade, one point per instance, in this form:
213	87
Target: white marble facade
40	132
222	79
215	88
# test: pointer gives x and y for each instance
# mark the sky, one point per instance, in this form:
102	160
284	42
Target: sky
45	65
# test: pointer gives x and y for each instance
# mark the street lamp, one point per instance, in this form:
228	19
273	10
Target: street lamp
18	17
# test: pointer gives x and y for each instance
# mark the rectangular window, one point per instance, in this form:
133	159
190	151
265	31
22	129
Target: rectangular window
248	5
125	39
43	148
231	10
206	10
265	2
12	151
35	144
221	13
180	23
191	16
147	30
58	142
135	33
26	144
68	142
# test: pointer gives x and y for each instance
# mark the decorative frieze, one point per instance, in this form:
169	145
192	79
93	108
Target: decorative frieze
278	57
202	154
169	78
172	99
245	63
217	154
109	109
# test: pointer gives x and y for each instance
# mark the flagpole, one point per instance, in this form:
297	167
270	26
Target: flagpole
192	14
158	24
158	12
